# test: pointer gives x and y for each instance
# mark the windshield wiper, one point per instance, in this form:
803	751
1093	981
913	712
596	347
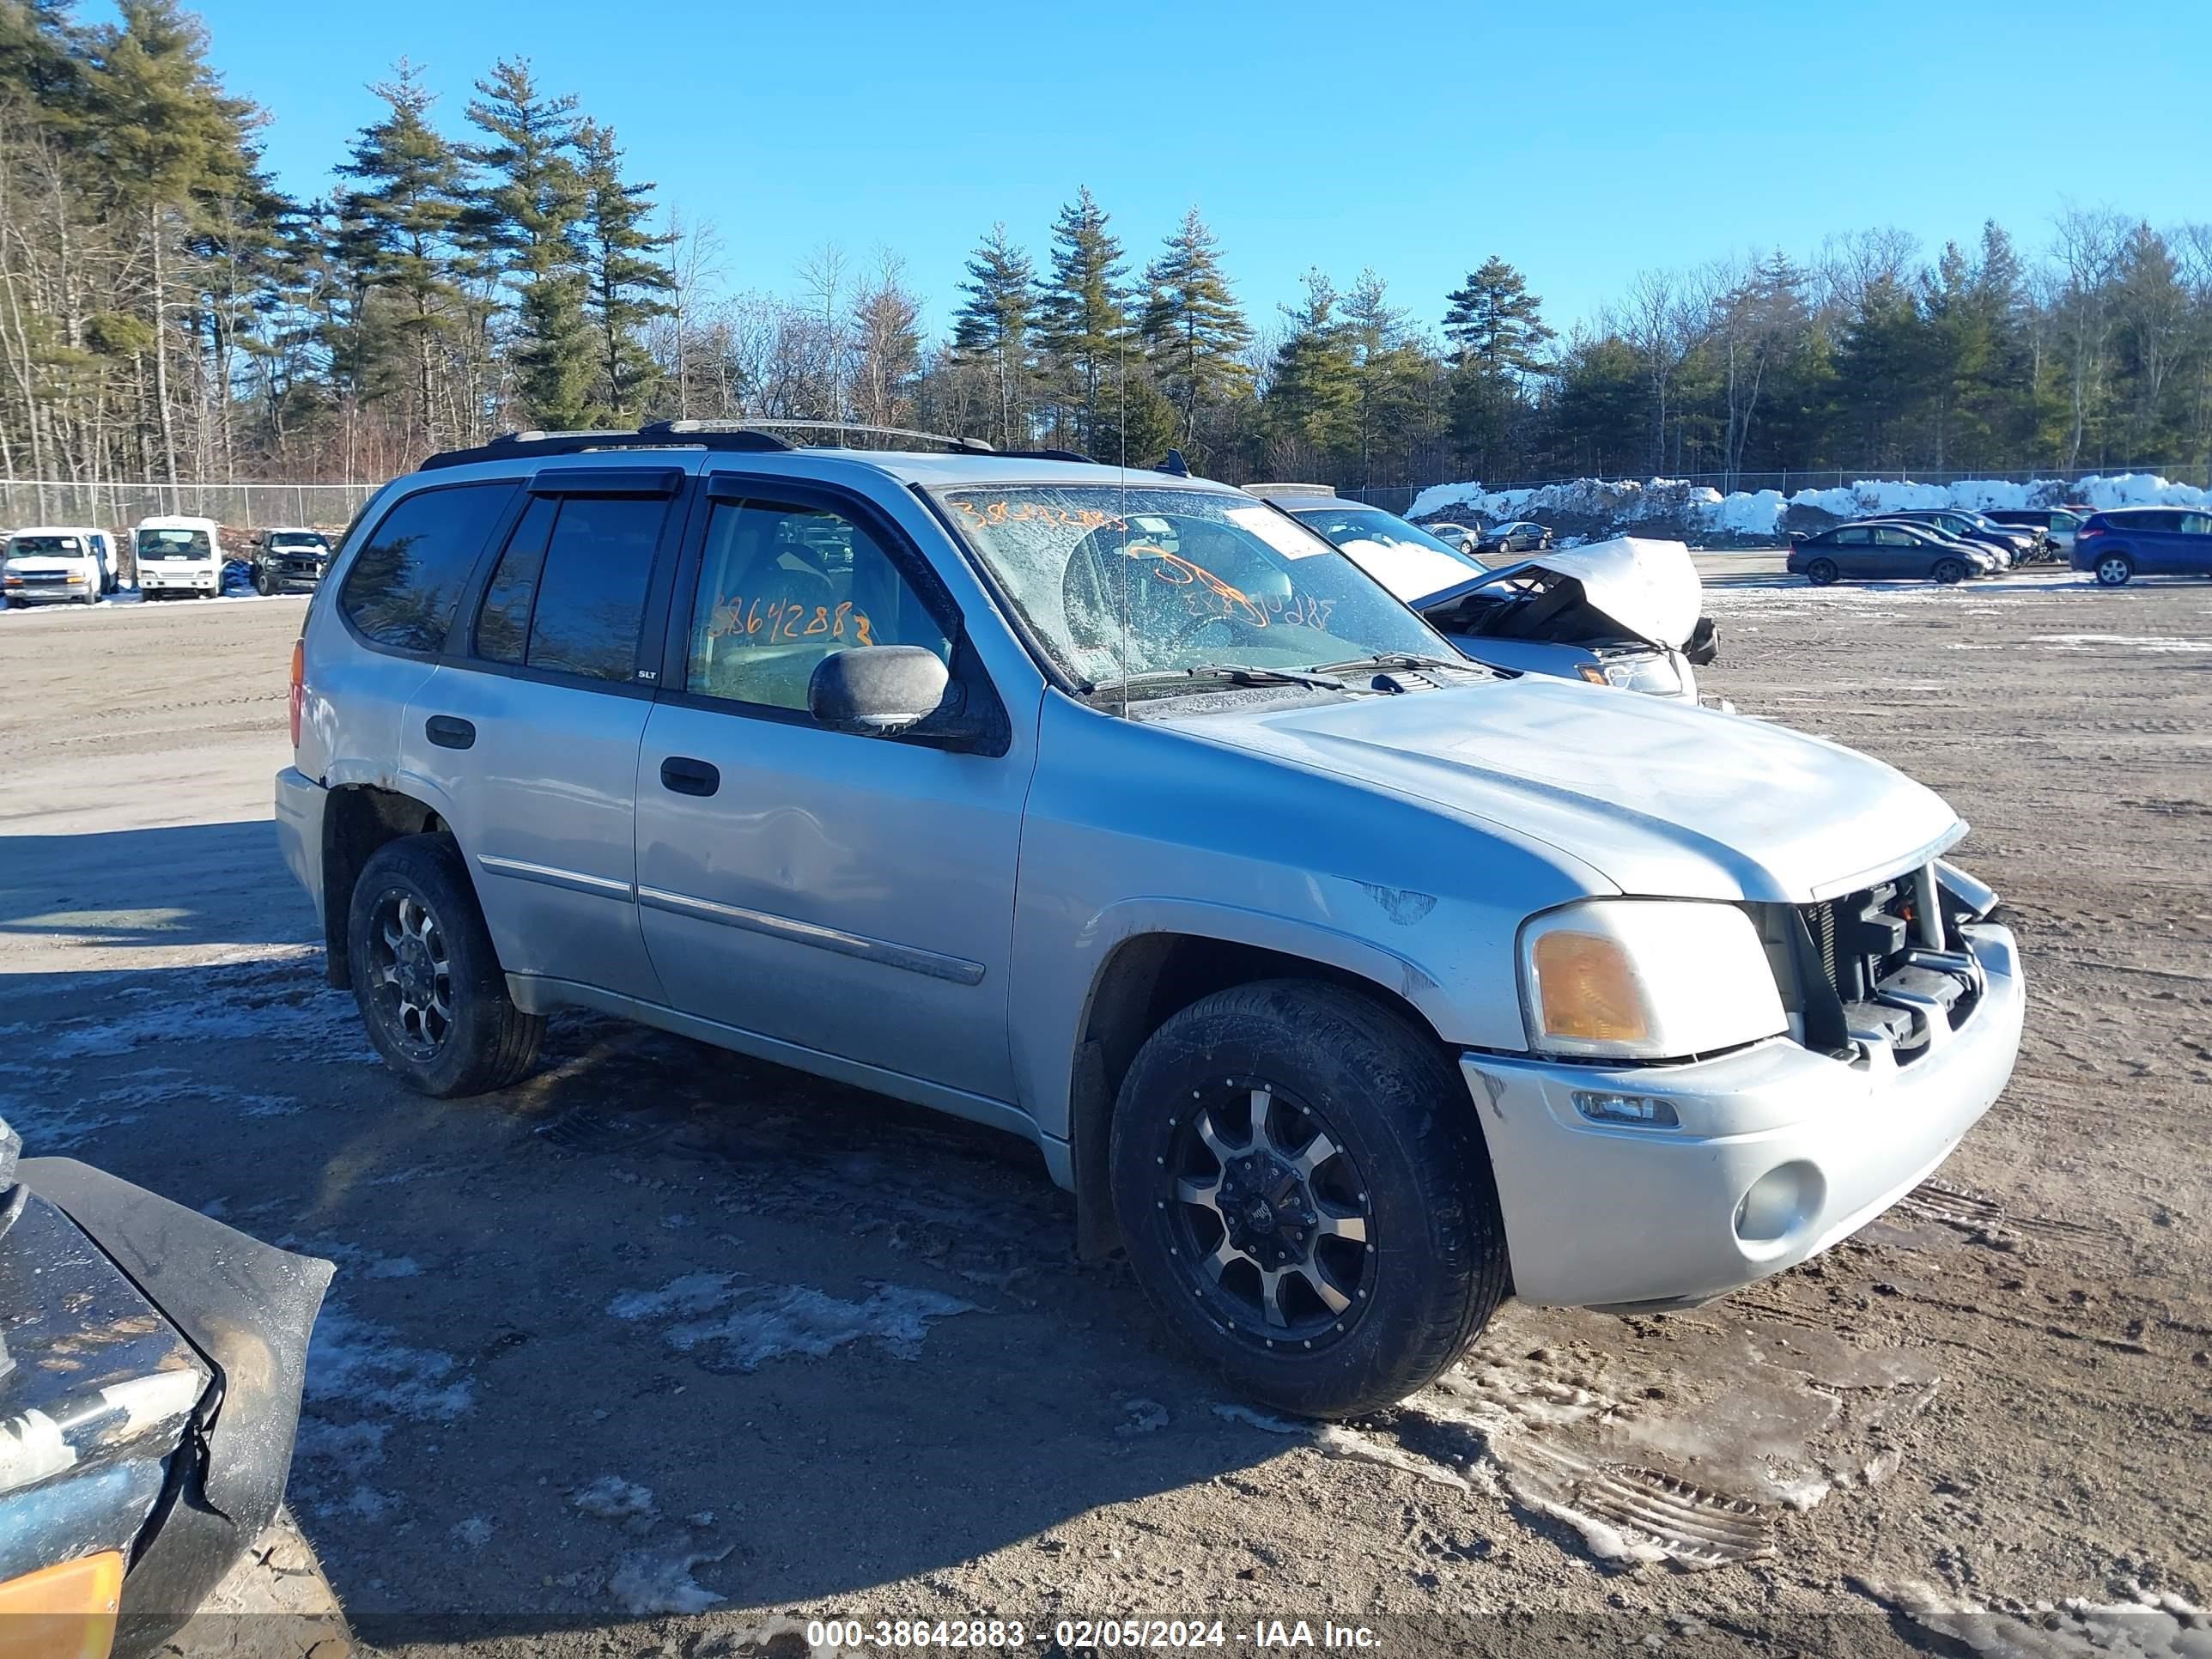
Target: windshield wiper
1392	659
1232	673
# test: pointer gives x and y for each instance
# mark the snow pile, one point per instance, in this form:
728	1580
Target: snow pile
776	1321
1594	508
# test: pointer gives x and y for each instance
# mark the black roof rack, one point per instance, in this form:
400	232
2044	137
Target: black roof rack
660	435
738	437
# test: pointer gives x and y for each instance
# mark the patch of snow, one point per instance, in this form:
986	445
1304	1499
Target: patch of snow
2154	644
351	1362
611	1498
475	1532
1230	1411
648	1582
1333	1440
778	1321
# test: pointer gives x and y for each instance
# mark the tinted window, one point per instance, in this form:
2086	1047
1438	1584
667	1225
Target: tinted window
2196	523
568	595
503	621
1894	536
1854	537
406	582
781	588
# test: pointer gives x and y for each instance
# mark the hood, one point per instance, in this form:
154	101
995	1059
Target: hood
1648	589
1663	798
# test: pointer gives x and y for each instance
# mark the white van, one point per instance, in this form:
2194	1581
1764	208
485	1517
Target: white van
178	555
59	562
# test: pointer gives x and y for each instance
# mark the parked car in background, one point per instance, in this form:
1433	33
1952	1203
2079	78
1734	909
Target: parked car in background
1516	536
150	1373
2058	523
1623	613
1886	550
288	560
179	555
53	562
2018	545
2147	541
1345	982
1466	538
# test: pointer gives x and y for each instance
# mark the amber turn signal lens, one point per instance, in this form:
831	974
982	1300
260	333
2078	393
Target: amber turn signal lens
1586	989
66	1612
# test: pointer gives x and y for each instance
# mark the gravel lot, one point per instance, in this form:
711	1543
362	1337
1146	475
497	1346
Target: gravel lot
665	1331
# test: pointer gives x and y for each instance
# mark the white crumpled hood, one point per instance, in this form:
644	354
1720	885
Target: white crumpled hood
1649	588
1661	799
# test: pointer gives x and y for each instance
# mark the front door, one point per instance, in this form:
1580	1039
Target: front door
847	895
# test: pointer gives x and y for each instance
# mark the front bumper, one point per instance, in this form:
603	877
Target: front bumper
49	591
1615	1217
153	580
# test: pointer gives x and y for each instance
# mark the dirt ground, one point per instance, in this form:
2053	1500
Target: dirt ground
668	1351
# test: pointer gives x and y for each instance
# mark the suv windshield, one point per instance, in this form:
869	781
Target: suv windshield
45	547
173	544
307	539
1116	583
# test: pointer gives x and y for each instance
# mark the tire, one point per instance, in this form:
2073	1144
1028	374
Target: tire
262	585
1398	1217
2115	570
1821	573
415	892
1949	572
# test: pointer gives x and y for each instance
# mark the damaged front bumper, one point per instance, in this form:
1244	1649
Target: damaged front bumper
150	1393
1778	1153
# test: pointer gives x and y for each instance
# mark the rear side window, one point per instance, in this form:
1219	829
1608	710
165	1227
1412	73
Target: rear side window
406	582
570	593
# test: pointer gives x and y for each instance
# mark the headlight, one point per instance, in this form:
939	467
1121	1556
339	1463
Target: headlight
1653	674
1646	979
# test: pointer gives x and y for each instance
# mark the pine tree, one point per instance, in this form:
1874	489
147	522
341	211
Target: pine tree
406	230
1083	313
628	275
529	213
1313	398
1193	327
1137	425
165	139
1495	321
993	329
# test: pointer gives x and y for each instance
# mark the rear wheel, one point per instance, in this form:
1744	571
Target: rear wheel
1820	571
2115	569
1306	1197
425	975
1950	571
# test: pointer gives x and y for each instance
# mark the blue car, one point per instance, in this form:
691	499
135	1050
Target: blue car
2155	541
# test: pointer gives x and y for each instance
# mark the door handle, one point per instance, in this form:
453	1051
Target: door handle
689	777
449	732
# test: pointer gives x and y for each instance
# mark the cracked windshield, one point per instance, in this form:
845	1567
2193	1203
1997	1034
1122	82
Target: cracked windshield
1124	583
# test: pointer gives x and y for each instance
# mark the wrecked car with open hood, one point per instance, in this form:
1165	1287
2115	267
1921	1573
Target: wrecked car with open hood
1622	612
150	1367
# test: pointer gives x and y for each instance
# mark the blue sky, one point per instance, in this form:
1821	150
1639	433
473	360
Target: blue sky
1582	142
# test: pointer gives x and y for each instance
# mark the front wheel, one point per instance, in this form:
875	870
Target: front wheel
425	975
1821	573
262	585
1306	1197
2115	569
1949	572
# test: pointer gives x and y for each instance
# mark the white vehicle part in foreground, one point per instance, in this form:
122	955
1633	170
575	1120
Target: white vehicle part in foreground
1646	979
1776	1152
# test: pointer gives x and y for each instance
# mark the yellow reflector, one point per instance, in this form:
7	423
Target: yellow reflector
1586	989
66	1612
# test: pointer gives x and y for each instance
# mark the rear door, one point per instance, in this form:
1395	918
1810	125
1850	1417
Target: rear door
1852	549
846	894
530	728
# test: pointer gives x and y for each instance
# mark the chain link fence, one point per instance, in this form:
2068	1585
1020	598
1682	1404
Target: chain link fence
25	501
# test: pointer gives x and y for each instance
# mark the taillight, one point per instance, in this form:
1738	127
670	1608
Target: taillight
2087	535
299	685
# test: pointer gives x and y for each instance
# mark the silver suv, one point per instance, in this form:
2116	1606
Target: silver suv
1349	985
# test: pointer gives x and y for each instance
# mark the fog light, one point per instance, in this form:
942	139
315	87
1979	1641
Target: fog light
1635	1111
1780	1202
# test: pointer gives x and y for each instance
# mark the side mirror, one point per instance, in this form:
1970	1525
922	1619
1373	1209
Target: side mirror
1704	646
877	689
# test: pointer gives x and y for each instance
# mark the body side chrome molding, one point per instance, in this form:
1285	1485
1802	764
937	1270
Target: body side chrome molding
910	958
575	881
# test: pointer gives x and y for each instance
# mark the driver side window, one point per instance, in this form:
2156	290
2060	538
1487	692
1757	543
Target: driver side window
782	587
